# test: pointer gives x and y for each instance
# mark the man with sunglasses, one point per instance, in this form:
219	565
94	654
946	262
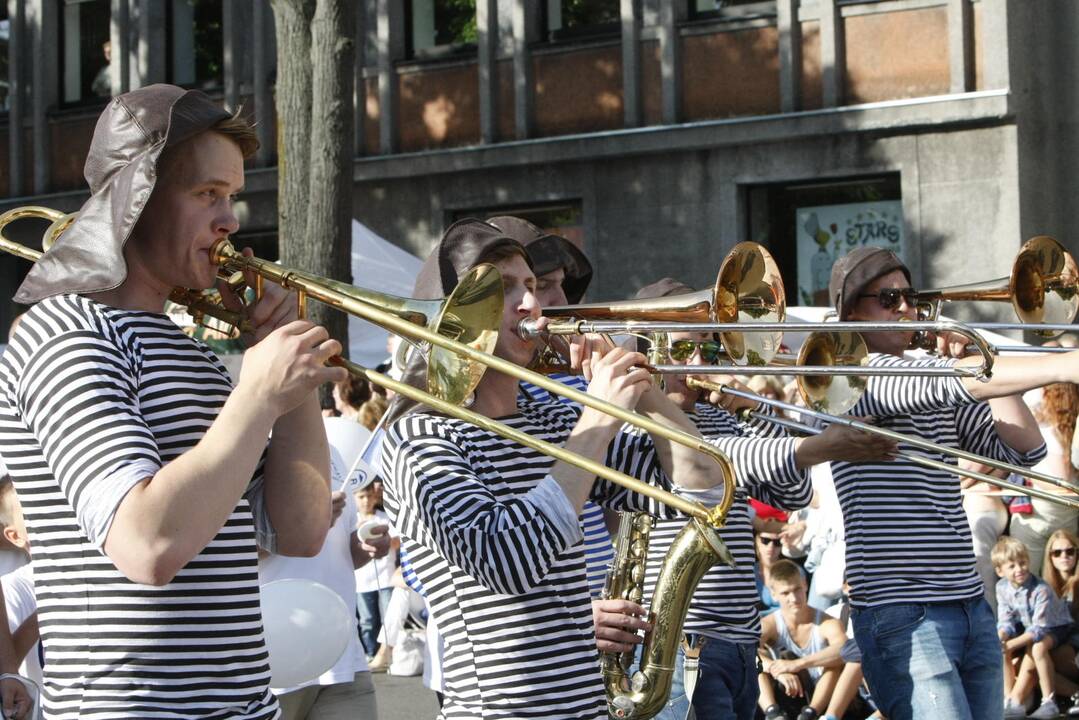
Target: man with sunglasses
722	627
927	634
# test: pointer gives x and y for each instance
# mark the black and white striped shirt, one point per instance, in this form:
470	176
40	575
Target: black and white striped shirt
497	546
94	400
907	535
725	602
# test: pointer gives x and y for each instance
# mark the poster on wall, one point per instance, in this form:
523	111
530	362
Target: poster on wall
828	232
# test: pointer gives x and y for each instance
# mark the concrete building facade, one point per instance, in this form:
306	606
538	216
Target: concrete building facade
656	133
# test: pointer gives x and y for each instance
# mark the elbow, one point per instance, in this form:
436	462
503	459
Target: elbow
151	568
307	542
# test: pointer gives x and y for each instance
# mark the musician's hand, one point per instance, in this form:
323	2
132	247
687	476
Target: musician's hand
580	351
839	442
276	308
14	699
282	370
617	623
791	685
730	403
950	344
616	376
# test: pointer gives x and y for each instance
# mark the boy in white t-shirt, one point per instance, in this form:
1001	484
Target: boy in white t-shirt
374	581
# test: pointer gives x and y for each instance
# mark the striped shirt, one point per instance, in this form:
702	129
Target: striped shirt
93	400
598	548
724	604
497	547
907	536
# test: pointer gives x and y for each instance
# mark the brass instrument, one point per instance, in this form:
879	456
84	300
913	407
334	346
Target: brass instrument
913	441
692	553
1043	288
200	304
748	289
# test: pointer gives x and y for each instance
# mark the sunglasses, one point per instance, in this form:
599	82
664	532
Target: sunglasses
769	541
889	297
682	350
1066	552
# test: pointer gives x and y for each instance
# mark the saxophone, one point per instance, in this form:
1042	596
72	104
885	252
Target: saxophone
696	549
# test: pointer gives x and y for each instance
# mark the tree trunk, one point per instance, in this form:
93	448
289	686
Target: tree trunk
292	19
328	247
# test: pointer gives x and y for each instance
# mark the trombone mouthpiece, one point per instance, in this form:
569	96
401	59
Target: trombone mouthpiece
527	329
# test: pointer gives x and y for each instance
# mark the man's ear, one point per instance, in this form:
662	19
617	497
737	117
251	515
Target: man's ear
13	537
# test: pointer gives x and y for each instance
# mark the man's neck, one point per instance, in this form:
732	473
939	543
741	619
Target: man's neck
133	295
496	395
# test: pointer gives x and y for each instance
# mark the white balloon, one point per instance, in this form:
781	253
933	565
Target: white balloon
307	628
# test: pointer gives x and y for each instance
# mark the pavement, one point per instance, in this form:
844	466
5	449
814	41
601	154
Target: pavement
404	698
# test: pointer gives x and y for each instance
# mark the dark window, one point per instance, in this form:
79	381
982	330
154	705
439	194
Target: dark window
5	34
570	19
808	226
733	9
437	28
85	51
196	56
565	219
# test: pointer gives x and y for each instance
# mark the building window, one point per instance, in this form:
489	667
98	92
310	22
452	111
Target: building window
564	219
196	40
571	19
438	28
5	80
808	226
85	51
731	9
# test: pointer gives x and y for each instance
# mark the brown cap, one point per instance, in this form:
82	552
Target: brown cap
121	169
549	252
855	270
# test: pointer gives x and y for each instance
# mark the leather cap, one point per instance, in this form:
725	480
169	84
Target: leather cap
121	169
855	270
549	252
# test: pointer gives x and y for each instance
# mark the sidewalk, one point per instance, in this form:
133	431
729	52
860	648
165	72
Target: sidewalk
404	698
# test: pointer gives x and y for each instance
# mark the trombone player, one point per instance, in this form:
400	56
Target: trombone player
143	473
492	528
927	635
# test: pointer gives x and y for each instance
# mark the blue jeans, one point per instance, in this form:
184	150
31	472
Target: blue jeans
726	684
372	608
935	660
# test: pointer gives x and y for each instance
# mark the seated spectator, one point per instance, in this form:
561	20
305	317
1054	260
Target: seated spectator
798	654
1058	571
767	539
1032	620
18	584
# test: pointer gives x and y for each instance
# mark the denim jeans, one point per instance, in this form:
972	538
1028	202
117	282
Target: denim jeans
372	608
726	684
935	660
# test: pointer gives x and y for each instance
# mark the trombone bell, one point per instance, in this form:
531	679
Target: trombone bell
749	288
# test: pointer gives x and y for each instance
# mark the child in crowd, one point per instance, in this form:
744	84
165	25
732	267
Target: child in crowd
17	583
798	654
1031	619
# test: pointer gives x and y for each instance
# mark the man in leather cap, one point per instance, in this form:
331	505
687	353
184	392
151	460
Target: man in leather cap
492	528
144	474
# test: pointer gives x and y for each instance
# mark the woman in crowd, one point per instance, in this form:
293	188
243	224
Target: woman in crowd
1058	570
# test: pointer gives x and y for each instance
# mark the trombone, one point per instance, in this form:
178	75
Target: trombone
1043	289
366	305
899	437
